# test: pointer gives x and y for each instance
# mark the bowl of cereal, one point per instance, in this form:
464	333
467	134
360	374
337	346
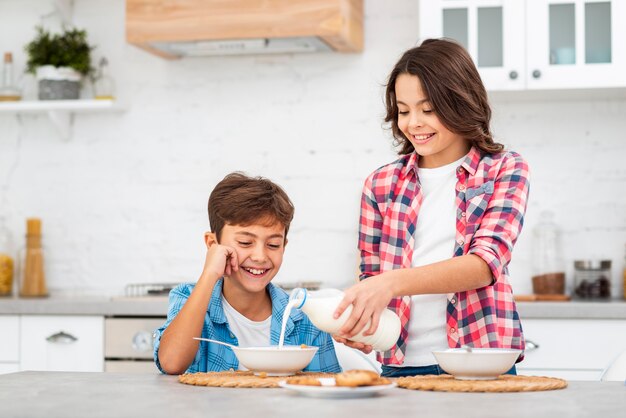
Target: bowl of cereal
476	363
274	360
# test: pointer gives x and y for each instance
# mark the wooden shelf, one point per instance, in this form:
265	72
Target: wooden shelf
60	112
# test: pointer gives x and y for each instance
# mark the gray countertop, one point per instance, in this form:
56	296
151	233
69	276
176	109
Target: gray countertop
59	394
157	306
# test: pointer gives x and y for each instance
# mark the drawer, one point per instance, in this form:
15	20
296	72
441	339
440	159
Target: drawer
62	343
573	344
10	346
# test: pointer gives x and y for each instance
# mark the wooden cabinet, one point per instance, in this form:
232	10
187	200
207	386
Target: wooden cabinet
535	44
62	343
9	345
576	349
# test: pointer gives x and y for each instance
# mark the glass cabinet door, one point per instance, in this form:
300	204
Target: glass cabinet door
571	43
491	30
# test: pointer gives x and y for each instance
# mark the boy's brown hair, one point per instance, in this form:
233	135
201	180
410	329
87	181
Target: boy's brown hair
242	200
454	89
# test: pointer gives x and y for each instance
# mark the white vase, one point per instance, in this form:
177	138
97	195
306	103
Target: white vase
58	83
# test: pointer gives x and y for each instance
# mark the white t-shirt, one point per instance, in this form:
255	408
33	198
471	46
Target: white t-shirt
434	241
249	333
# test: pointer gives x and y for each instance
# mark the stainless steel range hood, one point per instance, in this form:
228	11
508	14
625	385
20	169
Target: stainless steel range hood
185	28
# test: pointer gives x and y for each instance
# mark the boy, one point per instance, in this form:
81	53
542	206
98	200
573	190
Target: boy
233	300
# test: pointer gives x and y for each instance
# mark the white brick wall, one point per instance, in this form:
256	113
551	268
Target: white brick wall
125	200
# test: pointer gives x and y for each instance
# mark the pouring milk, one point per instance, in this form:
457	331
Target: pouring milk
321	304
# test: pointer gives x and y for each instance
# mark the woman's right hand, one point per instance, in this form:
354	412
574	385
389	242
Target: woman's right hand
366	349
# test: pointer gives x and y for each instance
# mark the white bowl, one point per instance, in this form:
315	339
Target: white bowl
477	364
274	361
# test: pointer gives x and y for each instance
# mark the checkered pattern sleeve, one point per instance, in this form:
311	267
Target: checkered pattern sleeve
370	229
504	215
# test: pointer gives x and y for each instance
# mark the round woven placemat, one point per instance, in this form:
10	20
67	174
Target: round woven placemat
504	383
239	379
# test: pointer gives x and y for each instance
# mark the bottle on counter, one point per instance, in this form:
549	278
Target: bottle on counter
624	288
9	92
104	86
6	260
33	283
548	264
320	306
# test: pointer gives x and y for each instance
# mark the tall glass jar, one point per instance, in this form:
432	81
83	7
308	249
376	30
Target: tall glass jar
547	262
7	265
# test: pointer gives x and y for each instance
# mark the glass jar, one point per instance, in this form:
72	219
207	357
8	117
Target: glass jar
7	265
547	259
592	279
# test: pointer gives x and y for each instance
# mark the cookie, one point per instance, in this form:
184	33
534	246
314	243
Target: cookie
354	378
304	381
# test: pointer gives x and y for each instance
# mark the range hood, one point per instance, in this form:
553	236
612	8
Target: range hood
181	28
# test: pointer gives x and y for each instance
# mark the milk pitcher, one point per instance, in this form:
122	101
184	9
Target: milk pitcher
320	306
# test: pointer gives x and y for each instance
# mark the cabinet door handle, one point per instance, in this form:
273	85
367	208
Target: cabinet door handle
513	75
531	345
536	74
61	338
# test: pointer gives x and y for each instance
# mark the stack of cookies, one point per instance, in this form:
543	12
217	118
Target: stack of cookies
350	378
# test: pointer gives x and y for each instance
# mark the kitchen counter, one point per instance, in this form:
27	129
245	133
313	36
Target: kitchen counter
58	394
157	306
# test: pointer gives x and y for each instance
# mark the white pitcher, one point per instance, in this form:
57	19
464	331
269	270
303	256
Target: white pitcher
320	306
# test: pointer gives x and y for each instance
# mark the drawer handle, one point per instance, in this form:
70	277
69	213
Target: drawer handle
531	345
61	338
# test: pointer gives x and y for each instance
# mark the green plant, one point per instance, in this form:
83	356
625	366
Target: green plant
68	49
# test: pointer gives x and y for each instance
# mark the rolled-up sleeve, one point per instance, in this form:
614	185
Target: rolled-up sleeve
504	217
177	298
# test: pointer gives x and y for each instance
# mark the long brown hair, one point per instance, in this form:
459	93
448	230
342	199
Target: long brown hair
242	200
454	89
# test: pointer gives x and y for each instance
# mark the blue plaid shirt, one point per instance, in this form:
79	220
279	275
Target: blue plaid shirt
215	357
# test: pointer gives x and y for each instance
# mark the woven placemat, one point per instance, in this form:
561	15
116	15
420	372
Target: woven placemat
239	379
504	383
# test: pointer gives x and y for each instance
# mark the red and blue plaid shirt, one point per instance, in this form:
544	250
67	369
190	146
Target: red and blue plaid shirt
491	196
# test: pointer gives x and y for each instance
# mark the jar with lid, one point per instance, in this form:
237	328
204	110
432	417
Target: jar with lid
7	265
547	259
592	279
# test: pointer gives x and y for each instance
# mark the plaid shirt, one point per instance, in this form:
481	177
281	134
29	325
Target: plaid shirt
215	357
491	195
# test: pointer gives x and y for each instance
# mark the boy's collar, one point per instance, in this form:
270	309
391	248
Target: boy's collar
279	302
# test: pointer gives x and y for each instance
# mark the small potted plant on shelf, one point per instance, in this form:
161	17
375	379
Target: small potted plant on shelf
59	62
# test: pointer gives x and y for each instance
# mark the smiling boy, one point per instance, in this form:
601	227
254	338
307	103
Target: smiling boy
233	300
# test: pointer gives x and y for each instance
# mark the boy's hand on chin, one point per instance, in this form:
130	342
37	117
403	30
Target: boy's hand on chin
366	349
221	260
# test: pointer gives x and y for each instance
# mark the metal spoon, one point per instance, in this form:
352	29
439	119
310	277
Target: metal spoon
216	342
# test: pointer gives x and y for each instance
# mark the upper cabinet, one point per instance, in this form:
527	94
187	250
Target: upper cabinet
174	28
535	44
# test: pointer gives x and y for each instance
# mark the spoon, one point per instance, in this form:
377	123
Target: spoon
216	342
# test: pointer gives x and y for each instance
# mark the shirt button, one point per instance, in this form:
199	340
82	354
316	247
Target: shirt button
461	242
461	187
463	214
453	330
453	301
232	335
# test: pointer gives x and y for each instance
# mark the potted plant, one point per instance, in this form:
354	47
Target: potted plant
59	61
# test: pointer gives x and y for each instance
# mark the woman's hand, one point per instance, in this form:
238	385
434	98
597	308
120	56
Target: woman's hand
366	349
368	299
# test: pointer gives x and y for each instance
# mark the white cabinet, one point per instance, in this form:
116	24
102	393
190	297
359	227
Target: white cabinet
535	44
575	349
9	343
62	343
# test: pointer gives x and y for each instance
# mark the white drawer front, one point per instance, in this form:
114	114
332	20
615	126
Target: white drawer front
573	344
62	343
10	339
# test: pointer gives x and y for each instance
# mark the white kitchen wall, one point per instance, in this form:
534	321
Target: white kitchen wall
124	201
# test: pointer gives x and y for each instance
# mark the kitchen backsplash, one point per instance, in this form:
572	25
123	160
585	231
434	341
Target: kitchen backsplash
124	201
